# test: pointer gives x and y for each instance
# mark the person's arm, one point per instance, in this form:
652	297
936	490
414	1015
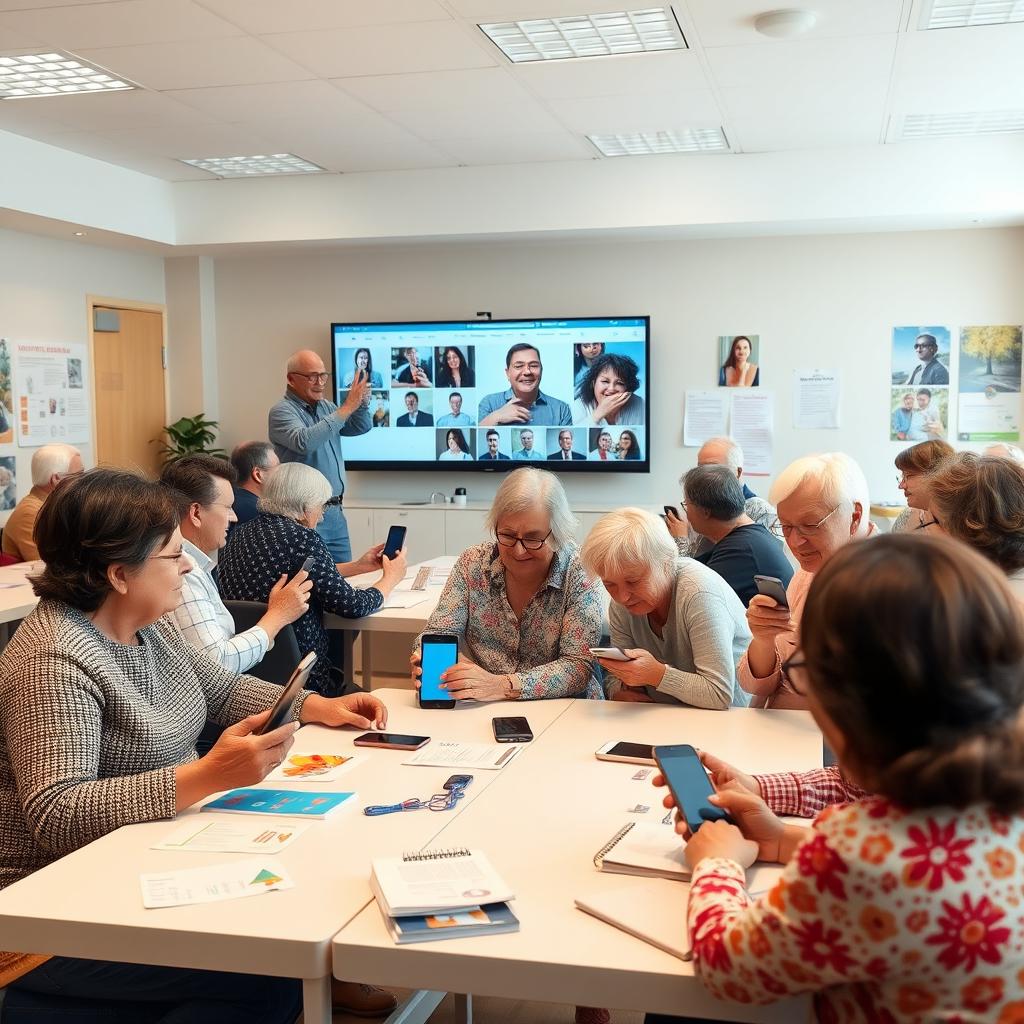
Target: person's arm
357	422
285	428
564	414
622	637
805	794
21	534
334	592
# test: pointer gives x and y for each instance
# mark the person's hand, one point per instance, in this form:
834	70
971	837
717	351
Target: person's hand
361	710
767	619
415	668
513	411
466	681
358	395
394	569
420	378
720	839
241	758
643	670
678	526
609	407
625	693
368	561
723	774
288	601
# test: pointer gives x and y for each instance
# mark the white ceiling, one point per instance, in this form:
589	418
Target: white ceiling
383	85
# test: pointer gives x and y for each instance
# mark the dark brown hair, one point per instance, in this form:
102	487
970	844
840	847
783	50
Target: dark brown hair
731	361
931	711
979	499
193	476
93	521
924	457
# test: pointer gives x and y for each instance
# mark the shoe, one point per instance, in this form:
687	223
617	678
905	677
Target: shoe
592	1015
362	1000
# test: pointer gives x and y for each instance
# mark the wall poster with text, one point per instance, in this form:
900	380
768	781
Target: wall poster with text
990	372
52	400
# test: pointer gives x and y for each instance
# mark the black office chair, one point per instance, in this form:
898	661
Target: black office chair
280	661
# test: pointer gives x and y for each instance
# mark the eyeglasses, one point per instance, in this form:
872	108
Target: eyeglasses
171	558
905	478
794	672
313	378
803	529
510	540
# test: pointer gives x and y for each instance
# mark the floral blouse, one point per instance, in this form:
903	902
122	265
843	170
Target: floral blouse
889	916
548	648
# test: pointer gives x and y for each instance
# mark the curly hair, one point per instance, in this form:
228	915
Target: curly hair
623	367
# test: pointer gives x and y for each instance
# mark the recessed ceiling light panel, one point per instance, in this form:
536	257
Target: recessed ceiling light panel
989	122
967	13
683	140
33	75
255	166
588	35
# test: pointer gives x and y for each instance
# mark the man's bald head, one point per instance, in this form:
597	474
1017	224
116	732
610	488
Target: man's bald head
307	376
721	451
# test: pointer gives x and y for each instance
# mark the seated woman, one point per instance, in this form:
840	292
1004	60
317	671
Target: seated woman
903	905
607	395
525	612
101	703
279	540
915	464
681	624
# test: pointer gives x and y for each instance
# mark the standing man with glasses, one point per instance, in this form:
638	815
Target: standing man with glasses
822	503
306	427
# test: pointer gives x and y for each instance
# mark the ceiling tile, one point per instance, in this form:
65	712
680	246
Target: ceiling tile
434	89
627	74
478	121
269	102
618	114
264	16
380	147
127	23
180	142
198	63
135	108
384	50
780	132
519	149
517	10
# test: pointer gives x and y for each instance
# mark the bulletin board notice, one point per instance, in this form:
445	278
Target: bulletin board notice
52	399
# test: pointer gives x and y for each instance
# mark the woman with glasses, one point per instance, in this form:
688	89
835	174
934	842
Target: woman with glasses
524	610
101	703
903	905
822	504
680	624
915	464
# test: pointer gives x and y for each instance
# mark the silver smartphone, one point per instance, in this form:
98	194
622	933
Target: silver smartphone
283	705
630	753
610	653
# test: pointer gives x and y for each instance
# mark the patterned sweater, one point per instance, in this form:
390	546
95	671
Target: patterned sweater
92	730
888	916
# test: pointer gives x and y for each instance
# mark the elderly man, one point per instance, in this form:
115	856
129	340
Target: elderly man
927	423
740	547
928	370
307	427
719	451
254	461
523	402
1001	450
50	464
822	504
565	452
526	451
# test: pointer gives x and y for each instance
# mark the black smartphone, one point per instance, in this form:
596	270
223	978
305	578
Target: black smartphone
438	652
283	705
307	564
771	586
512	730
391	740
630	753
671	510
395	541
689	784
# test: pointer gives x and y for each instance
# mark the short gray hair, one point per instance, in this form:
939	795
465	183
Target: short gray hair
50	459
630	538
731	450
1000	450
717	490
293	490
840	481
527	488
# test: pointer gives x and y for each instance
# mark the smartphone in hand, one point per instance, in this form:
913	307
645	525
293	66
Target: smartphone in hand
771	586
395	541
689	784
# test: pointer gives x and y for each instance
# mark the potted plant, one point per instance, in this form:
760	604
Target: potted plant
188	436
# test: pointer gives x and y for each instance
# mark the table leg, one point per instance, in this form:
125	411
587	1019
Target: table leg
367	660
316	1000
463	1008
417	1008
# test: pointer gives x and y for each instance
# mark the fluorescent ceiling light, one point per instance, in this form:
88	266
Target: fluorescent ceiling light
966	13
684	140
990	122
255	166
31	75
588	35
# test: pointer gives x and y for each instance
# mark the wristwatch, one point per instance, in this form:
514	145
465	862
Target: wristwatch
512	692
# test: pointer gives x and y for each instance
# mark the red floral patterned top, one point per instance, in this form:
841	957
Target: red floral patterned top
889	916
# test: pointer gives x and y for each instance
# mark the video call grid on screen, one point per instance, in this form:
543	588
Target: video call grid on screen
431	384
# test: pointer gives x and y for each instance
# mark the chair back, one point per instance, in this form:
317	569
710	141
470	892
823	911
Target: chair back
280	661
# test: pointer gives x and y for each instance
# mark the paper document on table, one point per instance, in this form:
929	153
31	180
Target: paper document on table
300	767
404	598
212	884
450	754
201	834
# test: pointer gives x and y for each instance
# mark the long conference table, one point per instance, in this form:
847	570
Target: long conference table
540	820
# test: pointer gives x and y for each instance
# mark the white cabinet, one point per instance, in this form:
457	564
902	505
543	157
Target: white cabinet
360	530
463	527
425	536
586	524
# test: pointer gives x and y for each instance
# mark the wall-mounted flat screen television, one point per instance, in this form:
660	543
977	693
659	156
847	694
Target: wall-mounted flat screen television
489	395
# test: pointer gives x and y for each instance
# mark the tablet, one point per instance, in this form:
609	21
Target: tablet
283	705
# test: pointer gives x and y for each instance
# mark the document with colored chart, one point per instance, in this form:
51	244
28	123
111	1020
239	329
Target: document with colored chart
313	767
212	884
237	836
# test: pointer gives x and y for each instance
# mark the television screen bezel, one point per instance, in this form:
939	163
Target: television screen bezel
476	466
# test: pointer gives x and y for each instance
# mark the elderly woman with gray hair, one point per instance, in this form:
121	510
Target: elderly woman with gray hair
680	624
525	612
279	540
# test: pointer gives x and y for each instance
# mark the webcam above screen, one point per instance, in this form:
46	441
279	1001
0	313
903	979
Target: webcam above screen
492	395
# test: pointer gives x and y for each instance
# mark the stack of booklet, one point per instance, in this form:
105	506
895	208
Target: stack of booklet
441	894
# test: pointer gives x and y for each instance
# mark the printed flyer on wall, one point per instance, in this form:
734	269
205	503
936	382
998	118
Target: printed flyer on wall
52	399
990	372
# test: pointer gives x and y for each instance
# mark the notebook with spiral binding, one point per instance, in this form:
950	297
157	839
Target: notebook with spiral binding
645	848
434	881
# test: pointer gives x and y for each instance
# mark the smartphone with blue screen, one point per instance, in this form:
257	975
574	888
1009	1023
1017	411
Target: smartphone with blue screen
438	652
689	784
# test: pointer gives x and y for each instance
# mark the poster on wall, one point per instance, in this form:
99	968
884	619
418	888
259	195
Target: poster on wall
989	384
919	383
6	395
918	414
816	399
706	415
739	357
752	426
8	483
52	401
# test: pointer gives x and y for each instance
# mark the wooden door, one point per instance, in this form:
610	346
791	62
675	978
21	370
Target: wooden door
130	403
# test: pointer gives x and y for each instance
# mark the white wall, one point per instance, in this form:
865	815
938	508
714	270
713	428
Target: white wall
43	287
826	301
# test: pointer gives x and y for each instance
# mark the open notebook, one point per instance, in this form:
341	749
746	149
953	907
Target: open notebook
646	848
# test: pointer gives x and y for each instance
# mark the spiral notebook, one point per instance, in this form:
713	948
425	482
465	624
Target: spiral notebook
645	848
435	881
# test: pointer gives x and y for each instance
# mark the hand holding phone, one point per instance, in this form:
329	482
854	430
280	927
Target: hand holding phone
610	653
689	784
438	652
395	541
671	511
771	586
283	705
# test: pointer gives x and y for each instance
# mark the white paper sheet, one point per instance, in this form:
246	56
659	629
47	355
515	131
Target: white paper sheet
816	399
450	754
752	420
303	766
235	836
706	416
212	884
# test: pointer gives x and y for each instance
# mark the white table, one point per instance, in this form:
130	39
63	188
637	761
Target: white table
541	827
88	904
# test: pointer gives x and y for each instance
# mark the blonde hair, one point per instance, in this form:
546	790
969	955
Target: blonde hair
629	538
